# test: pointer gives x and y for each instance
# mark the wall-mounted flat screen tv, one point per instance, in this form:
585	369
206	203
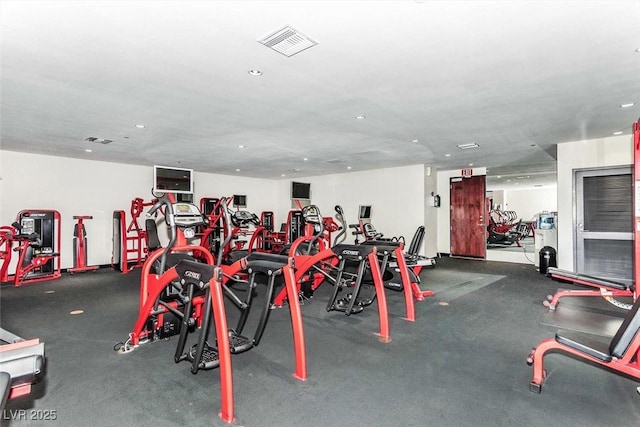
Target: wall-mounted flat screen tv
168	179
300	190
239	201
364	212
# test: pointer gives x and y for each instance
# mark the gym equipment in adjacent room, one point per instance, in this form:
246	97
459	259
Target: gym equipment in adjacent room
80	246
622	353
36	235
22	364
505	229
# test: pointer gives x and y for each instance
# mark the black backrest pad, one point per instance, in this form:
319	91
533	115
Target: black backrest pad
416	242
152	234
627	331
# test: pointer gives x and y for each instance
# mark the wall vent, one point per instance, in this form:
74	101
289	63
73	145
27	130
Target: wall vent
287	41
98	140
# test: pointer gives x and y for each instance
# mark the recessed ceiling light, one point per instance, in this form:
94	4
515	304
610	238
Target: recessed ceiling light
360	117
349	167
618	132
630	104
140	126
467	146
415	140
237	170
242	146
88	150
255	72
447	155
305	159
499	176
283	175
470	164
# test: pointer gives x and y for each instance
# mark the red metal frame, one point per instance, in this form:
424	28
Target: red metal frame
6	250
81	250
629	363
224	354
133	238
304	263
602	291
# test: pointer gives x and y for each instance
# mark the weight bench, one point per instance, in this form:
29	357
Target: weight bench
605	288
621	355
21	365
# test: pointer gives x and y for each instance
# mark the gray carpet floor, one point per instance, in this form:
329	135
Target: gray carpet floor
461	363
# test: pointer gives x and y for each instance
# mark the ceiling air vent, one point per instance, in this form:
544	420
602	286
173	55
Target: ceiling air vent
98	140
287	41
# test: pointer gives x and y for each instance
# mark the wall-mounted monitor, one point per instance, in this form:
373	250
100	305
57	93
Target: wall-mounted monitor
168	179
300	190
239	201
364	212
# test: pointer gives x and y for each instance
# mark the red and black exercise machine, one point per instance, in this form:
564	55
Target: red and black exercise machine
315	263
161	295
265	238
130	240
622	354
80	246
200	288
401	271
35	236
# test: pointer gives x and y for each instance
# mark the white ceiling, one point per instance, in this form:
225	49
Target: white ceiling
515	77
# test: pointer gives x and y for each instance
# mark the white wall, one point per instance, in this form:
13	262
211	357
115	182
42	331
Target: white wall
529	202
85	187
396	196
594	153
444	213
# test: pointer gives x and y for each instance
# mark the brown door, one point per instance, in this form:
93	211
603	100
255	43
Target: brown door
467	216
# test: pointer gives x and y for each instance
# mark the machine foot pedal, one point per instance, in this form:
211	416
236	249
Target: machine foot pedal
342	304
209	359
239	343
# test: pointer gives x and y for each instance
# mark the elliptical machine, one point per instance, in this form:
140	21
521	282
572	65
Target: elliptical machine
162	296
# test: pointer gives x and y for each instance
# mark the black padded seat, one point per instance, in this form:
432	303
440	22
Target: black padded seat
597	281
584	343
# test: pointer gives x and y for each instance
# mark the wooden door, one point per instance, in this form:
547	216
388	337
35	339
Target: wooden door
468	234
